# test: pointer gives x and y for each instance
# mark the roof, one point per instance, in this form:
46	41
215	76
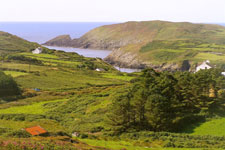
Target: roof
36	130
204	65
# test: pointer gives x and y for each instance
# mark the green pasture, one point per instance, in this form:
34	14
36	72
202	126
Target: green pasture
24	67
214	127
15	73
60	80
49	125
119	145
35	108
209	56
121	76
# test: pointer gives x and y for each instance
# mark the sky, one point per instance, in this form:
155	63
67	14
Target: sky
199	11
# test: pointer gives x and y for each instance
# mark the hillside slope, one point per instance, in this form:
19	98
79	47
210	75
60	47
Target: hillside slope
12	43
127	39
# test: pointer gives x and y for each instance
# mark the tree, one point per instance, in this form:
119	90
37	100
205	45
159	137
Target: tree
157	113
119	117
8	86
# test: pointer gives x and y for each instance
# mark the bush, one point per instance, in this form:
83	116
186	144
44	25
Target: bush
19	134
83	136
21	117
96	129
24	59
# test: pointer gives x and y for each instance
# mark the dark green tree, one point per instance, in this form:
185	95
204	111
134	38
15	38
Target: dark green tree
8	86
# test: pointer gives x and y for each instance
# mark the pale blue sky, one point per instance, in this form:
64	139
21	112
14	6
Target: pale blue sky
113	10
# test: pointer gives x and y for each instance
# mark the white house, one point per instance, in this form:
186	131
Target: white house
223	73
204	65
37	50
99	69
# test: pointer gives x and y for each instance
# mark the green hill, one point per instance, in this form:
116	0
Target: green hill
168	55
128	39
119	35
11	43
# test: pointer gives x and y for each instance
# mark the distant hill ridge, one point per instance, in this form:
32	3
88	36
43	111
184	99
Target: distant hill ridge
119	35
131	46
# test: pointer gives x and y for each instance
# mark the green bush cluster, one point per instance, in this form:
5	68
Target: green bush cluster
25	59
176	140
21	117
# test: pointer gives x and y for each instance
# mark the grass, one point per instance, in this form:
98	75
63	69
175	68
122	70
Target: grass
98	105
10	43
61	80
24	67
35	108
158	52
116	145
49	125
51	56
123	77
214	127
15	73
211	57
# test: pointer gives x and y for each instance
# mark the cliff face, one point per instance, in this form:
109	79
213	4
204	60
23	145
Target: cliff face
127	39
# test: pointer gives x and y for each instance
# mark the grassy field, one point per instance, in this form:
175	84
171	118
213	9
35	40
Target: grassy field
118	145
177	51
120	76
211	57
23	67
214	127
36	108
45	123
15	73
55	80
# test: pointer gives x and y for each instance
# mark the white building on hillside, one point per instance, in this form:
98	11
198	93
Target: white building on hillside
99	69
223	73
37	50
204	65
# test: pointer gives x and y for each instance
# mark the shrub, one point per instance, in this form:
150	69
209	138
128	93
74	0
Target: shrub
19	134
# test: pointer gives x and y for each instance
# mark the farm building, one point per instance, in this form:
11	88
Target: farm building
99	69
36	130
204	65
37	50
